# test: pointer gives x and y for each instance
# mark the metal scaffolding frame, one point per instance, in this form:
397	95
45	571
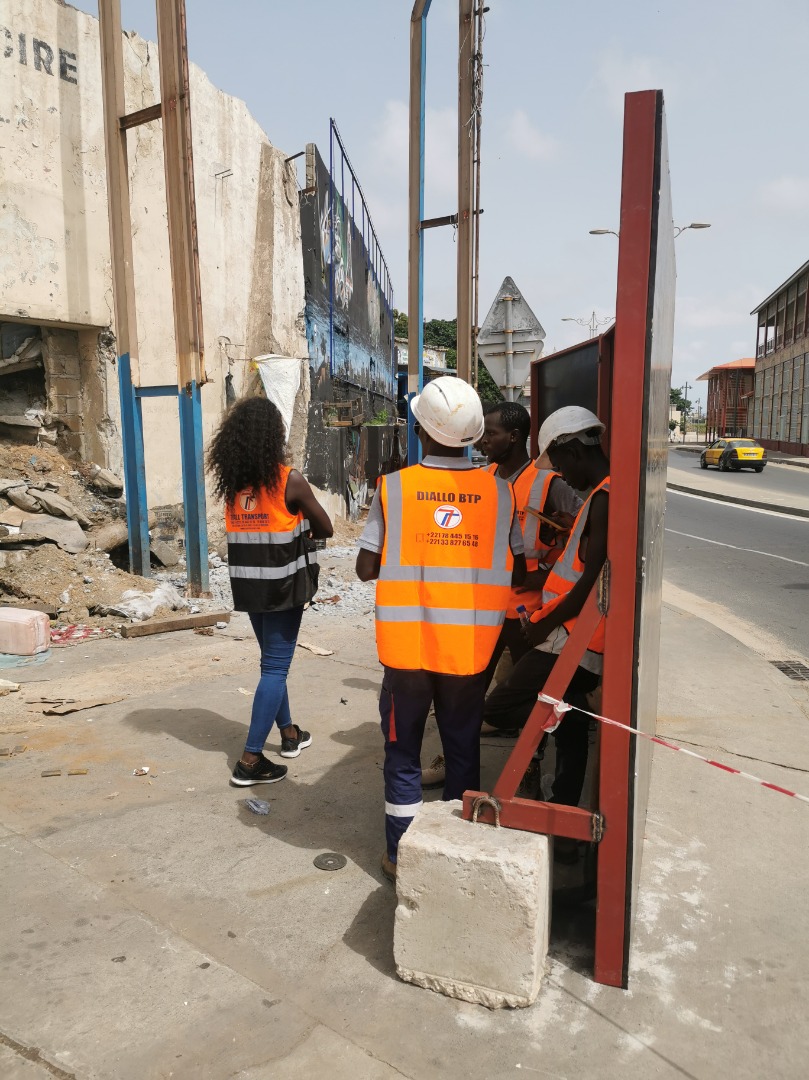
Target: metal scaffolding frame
174	112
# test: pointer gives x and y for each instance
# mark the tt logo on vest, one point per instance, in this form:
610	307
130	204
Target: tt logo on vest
248	501
447	517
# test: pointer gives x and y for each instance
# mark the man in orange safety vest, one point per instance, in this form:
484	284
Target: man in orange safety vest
444	543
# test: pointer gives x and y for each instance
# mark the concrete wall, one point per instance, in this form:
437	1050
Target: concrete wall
54	240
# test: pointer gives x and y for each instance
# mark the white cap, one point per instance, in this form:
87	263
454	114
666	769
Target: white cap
450	411
570	423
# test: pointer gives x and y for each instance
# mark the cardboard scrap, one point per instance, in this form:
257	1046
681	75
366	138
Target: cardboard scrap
69	705
316	649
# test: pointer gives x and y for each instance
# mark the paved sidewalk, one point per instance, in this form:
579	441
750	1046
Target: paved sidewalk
158	929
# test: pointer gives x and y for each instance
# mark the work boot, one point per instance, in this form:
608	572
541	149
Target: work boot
389	868
435	774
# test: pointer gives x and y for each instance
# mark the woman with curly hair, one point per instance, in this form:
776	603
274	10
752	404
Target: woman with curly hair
271	515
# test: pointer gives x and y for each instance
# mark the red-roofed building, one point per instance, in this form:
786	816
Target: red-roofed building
780	414
730	387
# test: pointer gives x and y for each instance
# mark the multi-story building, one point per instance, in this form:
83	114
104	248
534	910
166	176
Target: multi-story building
730	386
780	414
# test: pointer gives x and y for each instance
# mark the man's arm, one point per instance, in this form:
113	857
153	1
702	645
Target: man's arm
594	559
300	498
369	557
368	564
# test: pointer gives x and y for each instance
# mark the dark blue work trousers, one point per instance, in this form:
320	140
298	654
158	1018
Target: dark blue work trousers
403	706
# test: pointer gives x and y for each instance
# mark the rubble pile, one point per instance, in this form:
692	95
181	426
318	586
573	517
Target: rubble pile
59	520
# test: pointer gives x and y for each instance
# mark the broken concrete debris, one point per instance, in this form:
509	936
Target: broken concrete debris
52	503
63	535
105	481
68	535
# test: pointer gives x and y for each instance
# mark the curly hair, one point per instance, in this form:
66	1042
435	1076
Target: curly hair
248	449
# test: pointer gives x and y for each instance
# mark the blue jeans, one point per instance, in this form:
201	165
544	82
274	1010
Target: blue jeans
277	634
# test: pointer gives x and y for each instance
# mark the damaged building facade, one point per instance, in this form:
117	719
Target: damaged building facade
58	378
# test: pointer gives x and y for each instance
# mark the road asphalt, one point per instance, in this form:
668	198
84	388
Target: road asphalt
751	563
778	487
155	928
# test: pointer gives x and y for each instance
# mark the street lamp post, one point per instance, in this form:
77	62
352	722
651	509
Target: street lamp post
592	323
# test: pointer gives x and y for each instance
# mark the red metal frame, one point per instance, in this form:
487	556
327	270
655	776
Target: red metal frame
622	369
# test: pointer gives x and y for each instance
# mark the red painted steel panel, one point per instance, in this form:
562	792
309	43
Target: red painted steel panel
641	376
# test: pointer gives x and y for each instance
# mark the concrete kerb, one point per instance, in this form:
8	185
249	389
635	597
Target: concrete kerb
793	511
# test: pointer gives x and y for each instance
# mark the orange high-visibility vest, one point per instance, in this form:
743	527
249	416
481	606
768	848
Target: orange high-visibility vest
267	560
564	574
531	490
445	575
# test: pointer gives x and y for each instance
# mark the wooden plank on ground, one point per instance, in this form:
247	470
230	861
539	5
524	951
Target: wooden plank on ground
174	622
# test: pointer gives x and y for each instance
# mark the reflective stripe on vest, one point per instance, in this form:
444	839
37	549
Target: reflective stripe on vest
445	574
267	561
564	574
537	497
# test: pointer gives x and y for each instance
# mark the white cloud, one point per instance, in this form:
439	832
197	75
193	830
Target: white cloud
390	151
618	74
786	194
526	138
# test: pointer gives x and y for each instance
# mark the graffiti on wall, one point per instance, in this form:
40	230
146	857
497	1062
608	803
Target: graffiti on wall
349	323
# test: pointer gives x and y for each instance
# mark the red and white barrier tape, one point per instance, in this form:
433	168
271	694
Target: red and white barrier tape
561	707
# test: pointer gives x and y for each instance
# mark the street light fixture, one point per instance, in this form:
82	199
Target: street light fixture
694	225
592	323
677	229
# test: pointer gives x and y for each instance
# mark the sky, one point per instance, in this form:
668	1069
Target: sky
733	75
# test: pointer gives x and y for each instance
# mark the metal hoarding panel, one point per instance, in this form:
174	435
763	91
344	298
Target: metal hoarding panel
641	370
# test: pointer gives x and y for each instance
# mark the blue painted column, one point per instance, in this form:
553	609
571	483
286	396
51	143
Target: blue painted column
193	460
137	512
413	444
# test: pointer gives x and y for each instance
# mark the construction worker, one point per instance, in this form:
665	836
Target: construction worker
444	542
571	437
507	426
536	488
271	513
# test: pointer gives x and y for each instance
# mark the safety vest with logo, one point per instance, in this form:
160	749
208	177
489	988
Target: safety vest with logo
564	574
445	575
531	489
267	559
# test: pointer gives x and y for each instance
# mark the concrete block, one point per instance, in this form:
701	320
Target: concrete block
474	907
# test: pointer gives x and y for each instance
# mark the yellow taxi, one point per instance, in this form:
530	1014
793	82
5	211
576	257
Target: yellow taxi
729	454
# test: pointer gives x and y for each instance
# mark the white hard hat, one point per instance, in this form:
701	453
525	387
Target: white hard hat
570	423
450	411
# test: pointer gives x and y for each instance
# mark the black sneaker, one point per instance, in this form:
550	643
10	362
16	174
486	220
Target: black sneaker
261	772
291	745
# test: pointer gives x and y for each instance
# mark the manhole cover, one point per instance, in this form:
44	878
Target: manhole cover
330	860
792	669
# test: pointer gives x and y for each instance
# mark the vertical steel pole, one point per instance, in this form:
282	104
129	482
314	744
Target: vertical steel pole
196	532
185	281
123	283
415	274
508	336
466	144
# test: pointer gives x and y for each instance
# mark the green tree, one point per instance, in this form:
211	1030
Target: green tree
680	403
443	334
